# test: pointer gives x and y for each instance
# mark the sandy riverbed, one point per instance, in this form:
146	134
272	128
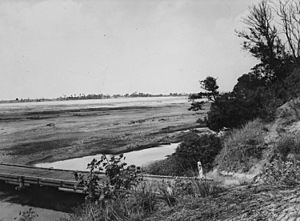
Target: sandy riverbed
47	133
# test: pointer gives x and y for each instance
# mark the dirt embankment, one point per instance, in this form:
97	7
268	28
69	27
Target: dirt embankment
250	148
243	203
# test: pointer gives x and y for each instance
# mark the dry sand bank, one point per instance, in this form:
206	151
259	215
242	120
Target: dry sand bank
40	134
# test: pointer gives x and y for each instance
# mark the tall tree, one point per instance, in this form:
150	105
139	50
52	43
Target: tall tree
289	13
272	35
210	87
261	39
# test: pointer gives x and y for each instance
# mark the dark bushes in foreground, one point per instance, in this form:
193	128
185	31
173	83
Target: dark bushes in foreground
123	195
196	148
166	167
183	162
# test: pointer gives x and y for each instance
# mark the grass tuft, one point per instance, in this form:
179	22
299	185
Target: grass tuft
243	147
288	144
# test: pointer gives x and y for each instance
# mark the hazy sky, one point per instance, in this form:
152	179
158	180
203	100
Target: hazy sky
49	48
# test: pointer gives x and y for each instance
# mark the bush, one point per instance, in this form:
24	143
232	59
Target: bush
136	201
166	167
227	111
119	178
118	196
232	110
184	161
281	172
288	144
243	147
196	148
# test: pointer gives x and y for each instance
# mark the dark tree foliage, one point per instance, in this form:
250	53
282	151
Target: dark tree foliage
278	56
246	102
261	39
119	179
248	82
195	148
274	80
293	82
226	111
209	85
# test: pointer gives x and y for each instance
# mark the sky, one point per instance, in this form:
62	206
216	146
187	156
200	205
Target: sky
51	48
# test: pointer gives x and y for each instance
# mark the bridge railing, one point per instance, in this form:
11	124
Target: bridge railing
23	180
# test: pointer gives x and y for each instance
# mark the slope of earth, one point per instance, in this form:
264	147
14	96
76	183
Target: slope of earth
251	147
244	203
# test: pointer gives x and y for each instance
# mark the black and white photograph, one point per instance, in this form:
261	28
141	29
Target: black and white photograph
149	110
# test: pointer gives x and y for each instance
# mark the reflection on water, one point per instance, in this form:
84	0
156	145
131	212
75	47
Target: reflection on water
139	158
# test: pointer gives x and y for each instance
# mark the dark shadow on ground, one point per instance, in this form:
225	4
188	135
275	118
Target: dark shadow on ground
42	197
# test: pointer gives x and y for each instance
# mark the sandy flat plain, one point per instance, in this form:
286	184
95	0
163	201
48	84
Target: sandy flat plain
51	131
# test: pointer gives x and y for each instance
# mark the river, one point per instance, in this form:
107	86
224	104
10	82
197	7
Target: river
138	158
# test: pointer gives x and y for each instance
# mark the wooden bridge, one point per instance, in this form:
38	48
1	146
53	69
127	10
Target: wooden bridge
24	176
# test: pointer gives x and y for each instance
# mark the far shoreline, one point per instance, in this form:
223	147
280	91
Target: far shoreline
39	100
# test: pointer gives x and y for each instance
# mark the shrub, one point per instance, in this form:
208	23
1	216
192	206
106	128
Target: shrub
288	144
166	167
184	161
281	172
227	111
234	109
118	196
243	147
195	148
141	199
119	178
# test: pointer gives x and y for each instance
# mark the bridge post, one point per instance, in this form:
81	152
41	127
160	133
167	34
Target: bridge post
21	183
200	170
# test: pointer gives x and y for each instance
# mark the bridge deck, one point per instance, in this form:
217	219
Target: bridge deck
22	175
25	176
22	170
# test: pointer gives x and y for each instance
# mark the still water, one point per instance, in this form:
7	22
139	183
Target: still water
138	158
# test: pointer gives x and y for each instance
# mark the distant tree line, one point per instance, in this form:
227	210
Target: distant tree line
272	35
106	96
25	100
94	96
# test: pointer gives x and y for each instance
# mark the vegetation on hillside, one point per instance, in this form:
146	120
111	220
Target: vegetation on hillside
271	36
183	162
123	195
243	147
